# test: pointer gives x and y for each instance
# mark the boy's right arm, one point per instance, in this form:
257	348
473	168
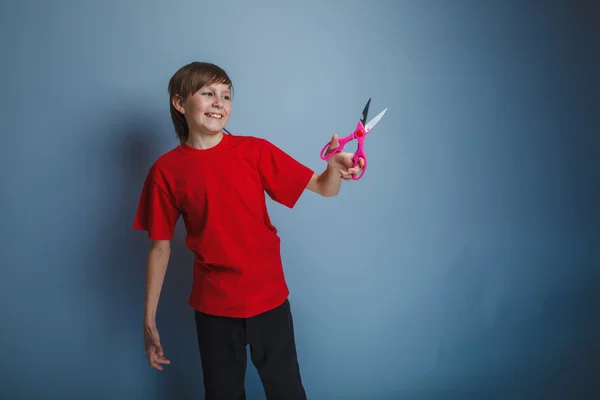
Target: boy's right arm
156	268
158	260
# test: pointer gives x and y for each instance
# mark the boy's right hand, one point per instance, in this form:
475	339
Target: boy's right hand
154	350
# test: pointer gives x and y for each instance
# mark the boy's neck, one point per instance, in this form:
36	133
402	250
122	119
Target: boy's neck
204	141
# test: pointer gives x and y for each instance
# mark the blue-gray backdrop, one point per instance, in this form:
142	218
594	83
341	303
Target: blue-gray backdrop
463	266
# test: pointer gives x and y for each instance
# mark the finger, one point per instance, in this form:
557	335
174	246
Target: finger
154	363
156	347
359	165
156	355
157	366
354	170
157	361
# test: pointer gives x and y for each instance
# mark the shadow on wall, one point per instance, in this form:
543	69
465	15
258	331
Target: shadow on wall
123	267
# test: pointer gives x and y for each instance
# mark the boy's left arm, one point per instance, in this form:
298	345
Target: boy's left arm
339	168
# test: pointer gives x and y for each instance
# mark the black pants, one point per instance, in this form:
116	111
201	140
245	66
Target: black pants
270	336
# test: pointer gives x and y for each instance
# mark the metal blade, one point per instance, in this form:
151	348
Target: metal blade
374	121
365	113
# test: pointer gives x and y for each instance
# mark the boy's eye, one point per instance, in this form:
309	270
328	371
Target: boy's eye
226	97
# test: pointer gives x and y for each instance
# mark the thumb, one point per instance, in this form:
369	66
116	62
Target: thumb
334	142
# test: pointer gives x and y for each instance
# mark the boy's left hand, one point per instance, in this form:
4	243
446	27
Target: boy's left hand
342	161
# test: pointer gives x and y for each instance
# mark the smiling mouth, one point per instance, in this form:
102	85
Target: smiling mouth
216	116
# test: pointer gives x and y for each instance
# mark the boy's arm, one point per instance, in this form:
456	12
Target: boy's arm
327	184
158	259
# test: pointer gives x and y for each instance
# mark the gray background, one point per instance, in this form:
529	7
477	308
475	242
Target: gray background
464	265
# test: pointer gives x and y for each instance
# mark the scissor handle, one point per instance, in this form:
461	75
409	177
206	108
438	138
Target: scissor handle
360	153
359	135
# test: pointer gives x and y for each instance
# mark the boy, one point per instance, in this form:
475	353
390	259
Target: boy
217	182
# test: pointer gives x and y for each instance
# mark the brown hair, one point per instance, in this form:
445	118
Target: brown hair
188	80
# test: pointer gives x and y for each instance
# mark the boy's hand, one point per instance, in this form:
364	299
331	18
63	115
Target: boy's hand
342	161
154	350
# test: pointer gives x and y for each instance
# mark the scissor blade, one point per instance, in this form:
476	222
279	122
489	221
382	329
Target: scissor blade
374	121
365	113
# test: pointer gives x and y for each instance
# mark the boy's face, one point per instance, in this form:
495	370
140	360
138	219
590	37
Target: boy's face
207	110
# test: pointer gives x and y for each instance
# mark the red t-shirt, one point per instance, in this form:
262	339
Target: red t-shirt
220	194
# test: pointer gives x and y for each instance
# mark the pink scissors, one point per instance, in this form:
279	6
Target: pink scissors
359	134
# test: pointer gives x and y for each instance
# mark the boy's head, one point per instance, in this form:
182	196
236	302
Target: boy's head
207	110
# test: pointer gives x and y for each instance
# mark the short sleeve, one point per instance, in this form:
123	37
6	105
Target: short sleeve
157	213
283	178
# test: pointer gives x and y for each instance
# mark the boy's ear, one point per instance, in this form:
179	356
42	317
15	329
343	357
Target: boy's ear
177	102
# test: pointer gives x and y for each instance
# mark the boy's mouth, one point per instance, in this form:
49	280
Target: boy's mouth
212	115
